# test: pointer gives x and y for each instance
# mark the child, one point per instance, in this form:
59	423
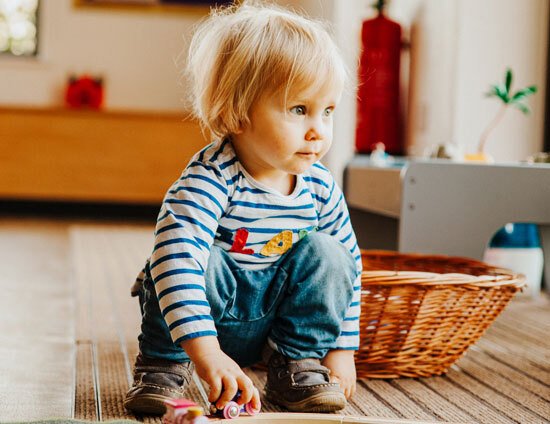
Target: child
254	253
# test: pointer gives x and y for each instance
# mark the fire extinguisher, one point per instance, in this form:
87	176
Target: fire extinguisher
378	92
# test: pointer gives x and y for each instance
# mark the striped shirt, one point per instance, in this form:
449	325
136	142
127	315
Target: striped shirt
215	201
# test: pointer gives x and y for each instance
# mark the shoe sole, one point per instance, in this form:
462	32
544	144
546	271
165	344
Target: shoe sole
321	402
146	404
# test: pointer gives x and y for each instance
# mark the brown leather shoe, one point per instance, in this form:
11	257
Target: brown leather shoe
302	385
156	380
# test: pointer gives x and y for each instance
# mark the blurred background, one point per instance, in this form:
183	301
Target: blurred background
452	51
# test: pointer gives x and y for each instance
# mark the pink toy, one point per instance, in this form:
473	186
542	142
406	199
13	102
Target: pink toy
183	411
232	409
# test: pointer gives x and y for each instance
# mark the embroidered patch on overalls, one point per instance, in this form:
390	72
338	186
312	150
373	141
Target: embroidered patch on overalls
278	244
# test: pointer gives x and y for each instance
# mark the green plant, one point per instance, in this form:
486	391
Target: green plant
504	93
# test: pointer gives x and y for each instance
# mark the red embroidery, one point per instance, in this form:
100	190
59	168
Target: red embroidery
240	242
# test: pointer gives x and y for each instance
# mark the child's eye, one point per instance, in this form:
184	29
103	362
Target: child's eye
298	110
328	111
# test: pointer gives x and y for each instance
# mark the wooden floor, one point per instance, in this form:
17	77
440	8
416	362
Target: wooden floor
68	331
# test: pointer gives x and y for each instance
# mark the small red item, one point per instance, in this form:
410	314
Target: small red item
84	91
240	242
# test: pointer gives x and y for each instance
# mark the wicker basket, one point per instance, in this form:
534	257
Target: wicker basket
420	313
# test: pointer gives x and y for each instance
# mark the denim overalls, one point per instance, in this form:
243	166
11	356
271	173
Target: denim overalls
296	305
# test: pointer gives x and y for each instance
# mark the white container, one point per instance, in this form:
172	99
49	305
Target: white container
525	260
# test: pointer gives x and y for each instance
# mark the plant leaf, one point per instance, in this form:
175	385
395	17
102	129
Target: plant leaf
525	92
520	95
508	79
500	91
523	107
494	91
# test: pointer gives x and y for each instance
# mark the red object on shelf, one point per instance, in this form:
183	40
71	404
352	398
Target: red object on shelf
84	92
378	94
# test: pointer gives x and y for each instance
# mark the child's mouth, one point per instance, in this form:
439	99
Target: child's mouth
307	155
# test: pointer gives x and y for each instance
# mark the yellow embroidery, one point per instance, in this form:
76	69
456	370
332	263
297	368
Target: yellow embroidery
278	244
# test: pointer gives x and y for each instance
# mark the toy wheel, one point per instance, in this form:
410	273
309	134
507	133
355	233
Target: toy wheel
231	410
249	410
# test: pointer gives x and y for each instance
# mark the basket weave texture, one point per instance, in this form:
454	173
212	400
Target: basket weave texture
420	313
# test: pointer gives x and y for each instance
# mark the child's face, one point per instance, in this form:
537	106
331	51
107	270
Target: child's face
284	139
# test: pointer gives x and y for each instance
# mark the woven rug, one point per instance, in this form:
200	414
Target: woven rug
79	363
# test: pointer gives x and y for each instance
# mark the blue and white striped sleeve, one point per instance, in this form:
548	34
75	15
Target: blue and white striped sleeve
185	231
334	220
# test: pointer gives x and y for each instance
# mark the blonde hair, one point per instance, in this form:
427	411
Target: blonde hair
244	51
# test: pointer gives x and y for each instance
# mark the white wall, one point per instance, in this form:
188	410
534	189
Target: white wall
135	52
487	44
432	27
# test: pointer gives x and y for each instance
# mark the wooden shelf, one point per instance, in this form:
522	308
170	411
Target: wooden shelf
93	156
189	8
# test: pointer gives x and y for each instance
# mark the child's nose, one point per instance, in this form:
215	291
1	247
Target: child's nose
312	135
315	132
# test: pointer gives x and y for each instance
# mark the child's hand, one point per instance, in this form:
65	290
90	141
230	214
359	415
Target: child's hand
223	374
225	377
342	369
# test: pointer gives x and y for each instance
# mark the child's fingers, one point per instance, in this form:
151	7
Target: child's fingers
229	391
343	388
215	384
256	404
348	387
347	392
246	387
353	388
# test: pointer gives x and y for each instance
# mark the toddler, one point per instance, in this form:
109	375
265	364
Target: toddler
254	255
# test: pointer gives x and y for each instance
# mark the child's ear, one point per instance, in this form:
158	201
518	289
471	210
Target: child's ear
239	129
